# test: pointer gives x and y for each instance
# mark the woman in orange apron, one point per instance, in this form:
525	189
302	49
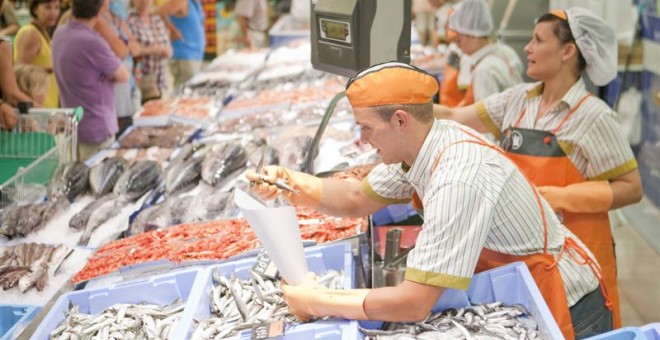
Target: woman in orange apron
484	62
567	142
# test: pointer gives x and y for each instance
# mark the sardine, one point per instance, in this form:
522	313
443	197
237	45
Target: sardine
104	176
237	304
489	321
222	162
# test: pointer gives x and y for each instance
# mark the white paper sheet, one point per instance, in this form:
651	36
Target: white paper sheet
277	229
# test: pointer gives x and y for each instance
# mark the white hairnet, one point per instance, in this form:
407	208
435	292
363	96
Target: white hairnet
597	43
472	17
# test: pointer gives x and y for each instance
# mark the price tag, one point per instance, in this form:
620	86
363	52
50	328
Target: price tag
265	267
271	330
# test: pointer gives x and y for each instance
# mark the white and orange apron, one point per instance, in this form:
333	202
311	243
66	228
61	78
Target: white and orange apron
543	266
538	154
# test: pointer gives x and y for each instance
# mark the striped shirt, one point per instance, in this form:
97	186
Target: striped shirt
492	69
591	137
475	198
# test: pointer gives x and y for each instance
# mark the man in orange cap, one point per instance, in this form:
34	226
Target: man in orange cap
480	211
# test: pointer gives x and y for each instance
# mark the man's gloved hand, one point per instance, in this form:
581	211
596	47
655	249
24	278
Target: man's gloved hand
309	189
310	299
584	197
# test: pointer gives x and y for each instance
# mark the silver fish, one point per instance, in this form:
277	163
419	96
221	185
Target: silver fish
100	215
237	304
138	179
489	321
222	162
121	321
104	176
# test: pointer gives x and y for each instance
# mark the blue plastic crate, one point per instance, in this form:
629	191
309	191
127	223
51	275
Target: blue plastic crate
161	290
320	259
651	331
625	333
14	317
511	284
393	213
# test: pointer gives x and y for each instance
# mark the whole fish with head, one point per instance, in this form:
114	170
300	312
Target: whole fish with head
100	215
138	179
294	151
80	219
11	215
183	176
487	321
121	321
104	176
208	206
69	180
237	304
222	162
30	218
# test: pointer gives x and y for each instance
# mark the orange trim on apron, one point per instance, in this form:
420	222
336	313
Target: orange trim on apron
543	266
450	95
593	229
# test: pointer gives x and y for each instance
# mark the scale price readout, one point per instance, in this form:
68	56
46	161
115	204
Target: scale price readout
338	31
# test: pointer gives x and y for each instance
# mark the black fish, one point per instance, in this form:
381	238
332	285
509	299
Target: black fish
138	179
69	180
221	162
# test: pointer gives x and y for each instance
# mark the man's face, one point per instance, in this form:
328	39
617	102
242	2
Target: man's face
384	136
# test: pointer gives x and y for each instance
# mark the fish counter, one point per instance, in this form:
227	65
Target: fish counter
174	213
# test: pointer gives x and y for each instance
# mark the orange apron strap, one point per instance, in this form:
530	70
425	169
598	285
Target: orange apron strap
480	141
581	257
554	132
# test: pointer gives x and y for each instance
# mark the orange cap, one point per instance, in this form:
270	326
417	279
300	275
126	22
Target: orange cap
391	83
560	13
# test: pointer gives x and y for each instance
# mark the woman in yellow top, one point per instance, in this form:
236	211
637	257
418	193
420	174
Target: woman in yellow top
32	44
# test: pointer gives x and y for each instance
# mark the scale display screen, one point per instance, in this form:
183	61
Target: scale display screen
335	30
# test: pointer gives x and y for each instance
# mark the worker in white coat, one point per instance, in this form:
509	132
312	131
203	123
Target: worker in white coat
486	66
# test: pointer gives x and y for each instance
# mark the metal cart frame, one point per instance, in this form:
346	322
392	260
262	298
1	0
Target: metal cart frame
42	139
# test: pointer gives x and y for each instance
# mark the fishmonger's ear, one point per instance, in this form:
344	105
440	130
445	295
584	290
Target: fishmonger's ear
400	118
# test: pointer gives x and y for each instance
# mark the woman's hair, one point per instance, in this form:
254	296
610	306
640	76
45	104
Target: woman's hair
562	31
30	78
33	4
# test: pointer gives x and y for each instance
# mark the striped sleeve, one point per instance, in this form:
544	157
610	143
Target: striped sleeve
492	110
491	76
607	150
387	184
456	220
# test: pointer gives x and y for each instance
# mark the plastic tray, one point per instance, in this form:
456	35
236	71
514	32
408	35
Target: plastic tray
651	331
320	259
161	290
511	284
13	317
625	333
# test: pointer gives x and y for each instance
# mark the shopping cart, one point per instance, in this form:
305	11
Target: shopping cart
30	153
